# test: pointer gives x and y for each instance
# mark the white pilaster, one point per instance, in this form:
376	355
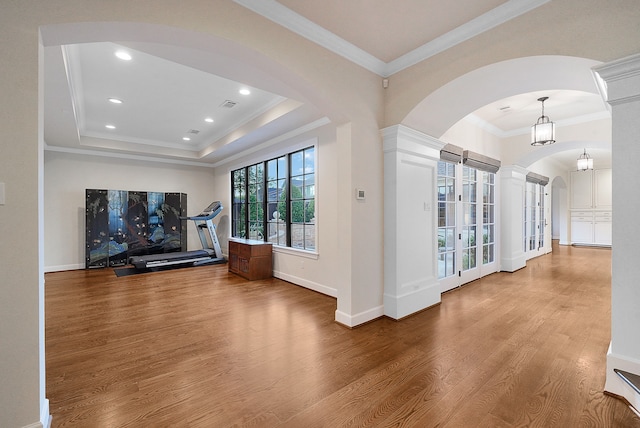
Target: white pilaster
410	221
512	186
622	79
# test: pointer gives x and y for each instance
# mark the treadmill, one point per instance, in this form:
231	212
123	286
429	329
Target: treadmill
210	253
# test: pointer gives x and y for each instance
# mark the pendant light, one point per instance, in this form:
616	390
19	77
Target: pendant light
585	161
543	132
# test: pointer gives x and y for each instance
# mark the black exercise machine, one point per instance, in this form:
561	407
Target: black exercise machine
210	253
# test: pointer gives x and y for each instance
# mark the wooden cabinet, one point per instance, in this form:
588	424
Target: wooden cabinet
602	187
581	190
591	189
250	258
582	227
602	228
591	227
591	207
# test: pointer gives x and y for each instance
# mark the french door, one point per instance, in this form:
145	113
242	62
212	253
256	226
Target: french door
534	220
466	224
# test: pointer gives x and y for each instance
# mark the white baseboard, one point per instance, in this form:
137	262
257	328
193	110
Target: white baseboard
398	307
360	318
45	417
513	264
323	289
61	268
615	385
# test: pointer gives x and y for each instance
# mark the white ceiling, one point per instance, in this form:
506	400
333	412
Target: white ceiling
164	101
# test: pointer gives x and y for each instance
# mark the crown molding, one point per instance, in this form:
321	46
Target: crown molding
73	73
497	132
621	80
277	140
118	155
485	22
300	25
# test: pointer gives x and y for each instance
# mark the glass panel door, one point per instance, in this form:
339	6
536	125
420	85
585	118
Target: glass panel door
469	225
466	224
542	220
447	232
534	220
488	218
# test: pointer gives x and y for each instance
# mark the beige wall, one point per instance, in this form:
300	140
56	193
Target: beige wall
350	96
68	175
343	91
314	271
574	28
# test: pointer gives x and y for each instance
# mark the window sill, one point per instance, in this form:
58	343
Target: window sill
296	252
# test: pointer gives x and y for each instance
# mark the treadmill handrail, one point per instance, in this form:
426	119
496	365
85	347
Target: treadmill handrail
206	215
208	254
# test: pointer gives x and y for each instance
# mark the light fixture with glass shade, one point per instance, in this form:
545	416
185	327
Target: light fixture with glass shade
543	132
585	161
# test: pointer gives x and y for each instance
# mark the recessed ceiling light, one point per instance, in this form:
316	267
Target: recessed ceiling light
115	100
123	55
244	91
186	138
110	126
208	120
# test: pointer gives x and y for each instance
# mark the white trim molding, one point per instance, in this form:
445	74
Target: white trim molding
61	268
619	76
359	318
614	383
281	15
410	221
311	285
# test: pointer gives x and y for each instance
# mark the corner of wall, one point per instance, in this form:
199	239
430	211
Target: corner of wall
615	385
360	318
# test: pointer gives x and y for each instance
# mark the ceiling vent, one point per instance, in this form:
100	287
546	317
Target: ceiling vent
193	131
228	104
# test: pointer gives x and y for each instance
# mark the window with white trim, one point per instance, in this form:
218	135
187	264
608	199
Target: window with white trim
274	200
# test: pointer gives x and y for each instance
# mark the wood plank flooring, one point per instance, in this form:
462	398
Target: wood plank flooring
200	347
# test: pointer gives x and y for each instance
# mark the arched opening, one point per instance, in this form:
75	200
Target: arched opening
475	116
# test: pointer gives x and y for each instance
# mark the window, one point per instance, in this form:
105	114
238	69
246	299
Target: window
239	205
274	200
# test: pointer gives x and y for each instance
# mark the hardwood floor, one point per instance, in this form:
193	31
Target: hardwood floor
200	347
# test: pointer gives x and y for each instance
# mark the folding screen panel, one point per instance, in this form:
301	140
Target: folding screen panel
121	224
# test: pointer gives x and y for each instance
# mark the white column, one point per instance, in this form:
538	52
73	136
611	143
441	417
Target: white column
410	221
622	78
512	185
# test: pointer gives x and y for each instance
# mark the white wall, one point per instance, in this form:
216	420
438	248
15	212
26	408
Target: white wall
623	86
318	271
67	176
470	136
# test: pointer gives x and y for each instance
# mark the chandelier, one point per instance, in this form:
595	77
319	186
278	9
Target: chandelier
543	132
585	161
